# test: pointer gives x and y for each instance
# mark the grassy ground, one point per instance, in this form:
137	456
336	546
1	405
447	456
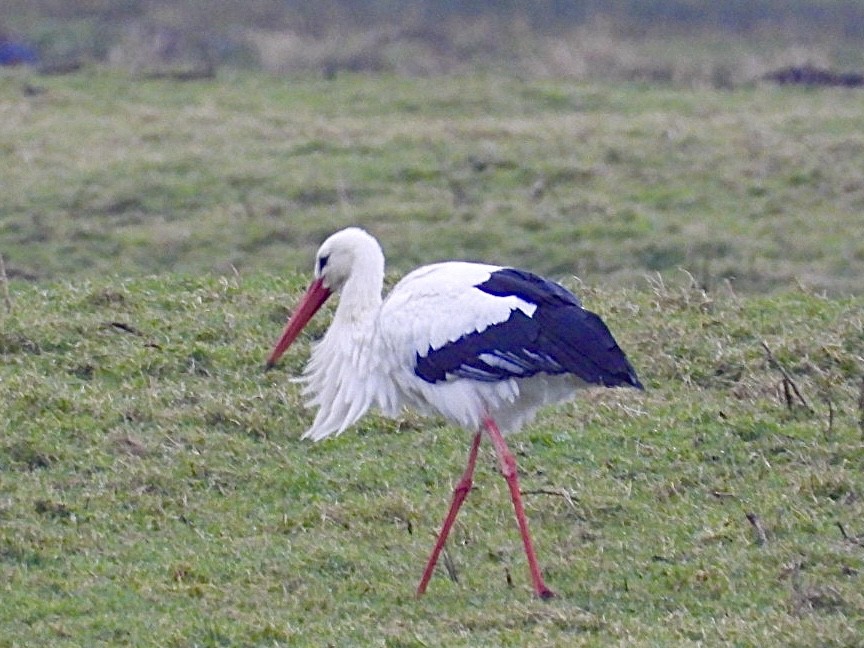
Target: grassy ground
153	490
761	186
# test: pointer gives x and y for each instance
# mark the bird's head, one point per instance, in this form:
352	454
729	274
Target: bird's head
351	253
346	253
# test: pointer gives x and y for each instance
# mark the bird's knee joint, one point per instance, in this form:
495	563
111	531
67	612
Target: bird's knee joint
463	488
508	467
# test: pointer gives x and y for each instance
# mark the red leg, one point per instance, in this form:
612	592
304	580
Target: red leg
460	492
508	469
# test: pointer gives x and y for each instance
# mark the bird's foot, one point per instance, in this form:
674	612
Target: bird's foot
545	593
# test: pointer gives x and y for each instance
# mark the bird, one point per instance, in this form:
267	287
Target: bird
482	346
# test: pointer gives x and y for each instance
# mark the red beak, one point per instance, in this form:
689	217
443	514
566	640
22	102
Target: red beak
315	296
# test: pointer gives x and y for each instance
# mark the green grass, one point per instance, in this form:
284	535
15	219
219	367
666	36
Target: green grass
154	491
153	488
759	186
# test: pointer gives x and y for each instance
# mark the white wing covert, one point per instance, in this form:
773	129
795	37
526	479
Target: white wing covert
438	304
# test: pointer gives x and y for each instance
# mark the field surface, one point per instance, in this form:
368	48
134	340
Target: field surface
153	487
760	186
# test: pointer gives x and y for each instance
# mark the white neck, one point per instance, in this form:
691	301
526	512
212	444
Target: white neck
360	297
343	377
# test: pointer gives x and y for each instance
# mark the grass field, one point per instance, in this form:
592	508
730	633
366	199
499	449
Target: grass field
759	186
153	488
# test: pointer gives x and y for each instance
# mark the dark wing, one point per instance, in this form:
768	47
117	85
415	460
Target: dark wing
559	337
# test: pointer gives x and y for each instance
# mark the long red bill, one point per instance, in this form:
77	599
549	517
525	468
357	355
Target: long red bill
315	296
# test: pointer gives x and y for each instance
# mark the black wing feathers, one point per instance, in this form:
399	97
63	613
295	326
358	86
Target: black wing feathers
560	337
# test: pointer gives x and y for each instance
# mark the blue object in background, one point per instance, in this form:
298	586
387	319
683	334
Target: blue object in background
17	53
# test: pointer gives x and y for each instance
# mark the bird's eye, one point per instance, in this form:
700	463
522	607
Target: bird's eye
322	263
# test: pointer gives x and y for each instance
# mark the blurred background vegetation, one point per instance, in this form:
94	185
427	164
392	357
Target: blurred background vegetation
723	42
604	139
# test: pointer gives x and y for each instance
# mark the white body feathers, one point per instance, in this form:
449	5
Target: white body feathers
368	355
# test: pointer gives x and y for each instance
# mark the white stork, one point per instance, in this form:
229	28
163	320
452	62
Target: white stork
481	345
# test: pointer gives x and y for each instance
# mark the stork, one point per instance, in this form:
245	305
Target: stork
481	345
